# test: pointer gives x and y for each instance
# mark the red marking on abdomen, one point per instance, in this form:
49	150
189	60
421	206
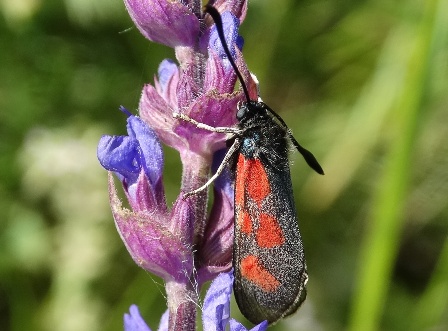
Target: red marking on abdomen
269	233
253	270
244	221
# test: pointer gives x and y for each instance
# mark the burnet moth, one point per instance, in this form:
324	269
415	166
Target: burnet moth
268	256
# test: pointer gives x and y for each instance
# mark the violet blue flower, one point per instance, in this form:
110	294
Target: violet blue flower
134	321
137	160
215	310
183	244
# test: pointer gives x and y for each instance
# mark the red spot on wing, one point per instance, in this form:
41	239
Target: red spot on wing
254	271
251	177
244	221
257	182
269	233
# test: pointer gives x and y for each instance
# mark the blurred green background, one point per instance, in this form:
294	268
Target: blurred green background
363	84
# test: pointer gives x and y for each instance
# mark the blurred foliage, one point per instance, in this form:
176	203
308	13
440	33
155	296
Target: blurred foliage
363	84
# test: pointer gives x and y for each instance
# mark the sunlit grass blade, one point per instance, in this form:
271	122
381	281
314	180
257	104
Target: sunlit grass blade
433	303
380	246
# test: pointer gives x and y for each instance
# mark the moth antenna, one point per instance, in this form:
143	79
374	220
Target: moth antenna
219	27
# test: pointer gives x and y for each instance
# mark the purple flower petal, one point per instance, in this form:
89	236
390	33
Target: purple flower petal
216	309
230	26
212	109
218	77
260	327
142	196
163	326
167	22
151	157
120	154
167	69
127	155
134	321
155	110
150	242
237	326
183	217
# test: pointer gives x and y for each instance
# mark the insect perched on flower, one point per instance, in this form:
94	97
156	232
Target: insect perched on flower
268	255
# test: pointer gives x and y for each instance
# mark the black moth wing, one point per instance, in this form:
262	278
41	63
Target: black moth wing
266	140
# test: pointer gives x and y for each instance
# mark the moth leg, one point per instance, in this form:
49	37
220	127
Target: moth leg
199	125
236	144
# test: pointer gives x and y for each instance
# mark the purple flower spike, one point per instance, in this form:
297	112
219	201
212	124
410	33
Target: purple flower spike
216	309
163	326
167	22
185	245
134	321
167	69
